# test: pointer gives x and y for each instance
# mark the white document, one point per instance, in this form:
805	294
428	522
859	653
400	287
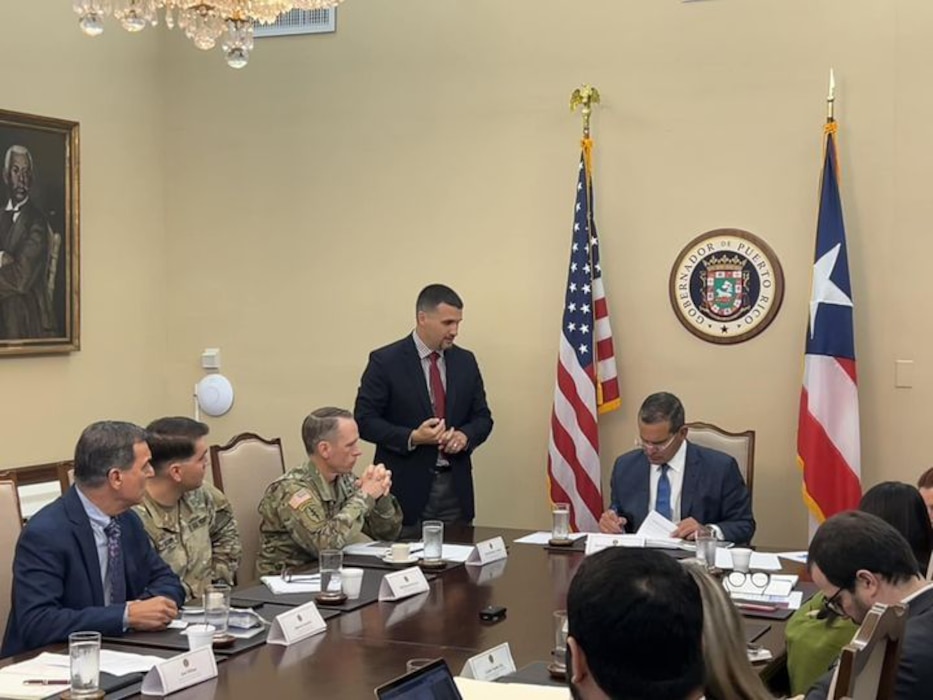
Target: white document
305	583
598	542
12	679
543	537
490	664
759	561
402	584
481	690
296	624
116	663
791	602
377	549
779	585
656	526
487	551
180	671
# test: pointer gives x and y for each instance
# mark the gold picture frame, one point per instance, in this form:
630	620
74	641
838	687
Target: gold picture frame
39	235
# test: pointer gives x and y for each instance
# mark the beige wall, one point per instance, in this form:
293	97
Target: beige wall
111	88
289	212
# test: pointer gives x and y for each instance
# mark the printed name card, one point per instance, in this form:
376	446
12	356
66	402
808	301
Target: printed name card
598	542
490	665
296	624
487	551
402	584
180	672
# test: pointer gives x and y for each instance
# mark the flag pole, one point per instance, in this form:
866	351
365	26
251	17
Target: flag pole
584	97
831	98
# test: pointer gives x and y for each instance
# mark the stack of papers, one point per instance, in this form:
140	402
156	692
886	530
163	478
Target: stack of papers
303	583
451	552
543	537
656	529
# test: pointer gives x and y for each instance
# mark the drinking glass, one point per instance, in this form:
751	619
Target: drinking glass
706	547
331	561
560	638
432	532
84	652
217	607
560	528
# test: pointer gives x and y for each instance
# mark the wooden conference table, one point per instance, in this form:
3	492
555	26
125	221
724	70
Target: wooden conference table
367	647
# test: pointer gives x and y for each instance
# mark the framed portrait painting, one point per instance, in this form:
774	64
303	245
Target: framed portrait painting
39	220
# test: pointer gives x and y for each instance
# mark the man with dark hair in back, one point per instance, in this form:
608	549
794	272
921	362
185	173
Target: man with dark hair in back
321	504
84	562
635	626
690	485
422	402
925	486
857	560
190	523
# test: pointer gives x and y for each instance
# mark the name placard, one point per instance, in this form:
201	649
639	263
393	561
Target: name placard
487	551
296	624
490	665
402	584
180	672
598	542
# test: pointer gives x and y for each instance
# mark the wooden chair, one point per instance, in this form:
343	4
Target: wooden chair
10	514
242	469
741	446
868	664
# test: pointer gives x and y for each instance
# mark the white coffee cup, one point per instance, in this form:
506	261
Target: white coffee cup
352	580
200	636
741	559
401	551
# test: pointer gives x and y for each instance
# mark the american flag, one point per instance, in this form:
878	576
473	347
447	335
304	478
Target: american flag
828	429
587	382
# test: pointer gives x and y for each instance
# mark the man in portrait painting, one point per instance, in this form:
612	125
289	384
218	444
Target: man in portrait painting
25	306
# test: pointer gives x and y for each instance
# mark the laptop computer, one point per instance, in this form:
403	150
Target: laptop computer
431	682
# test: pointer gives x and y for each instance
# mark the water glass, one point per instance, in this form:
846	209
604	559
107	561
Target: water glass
331	562
432	532
413	665
217	607
560	528
560	638
706	547
84	652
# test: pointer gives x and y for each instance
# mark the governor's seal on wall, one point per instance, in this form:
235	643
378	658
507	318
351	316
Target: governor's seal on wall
726	286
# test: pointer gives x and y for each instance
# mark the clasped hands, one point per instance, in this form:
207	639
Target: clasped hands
375	481
434	431
612	523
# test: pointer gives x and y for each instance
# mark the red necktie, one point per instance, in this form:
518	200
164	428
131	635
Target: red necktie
437	387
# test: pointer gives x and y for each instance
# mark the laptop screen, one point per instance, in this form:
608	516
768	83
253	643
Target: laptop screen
431	682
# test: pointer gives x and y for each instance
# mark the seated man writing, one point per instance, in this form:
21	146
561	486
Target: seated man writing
321	504
84	561
690	485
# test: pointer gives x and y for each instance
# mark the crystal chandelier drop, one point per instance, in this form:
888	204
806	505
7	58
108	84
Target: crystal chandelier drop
230	21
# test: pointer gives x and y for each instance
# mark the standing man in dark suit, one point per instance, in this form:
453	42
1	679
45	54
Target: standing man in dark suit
84	561
25	308
688	484
422	402
857	560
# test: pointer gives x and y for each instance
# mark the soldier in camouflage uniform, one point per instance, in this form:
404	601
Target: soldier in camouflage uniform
321	504
190	523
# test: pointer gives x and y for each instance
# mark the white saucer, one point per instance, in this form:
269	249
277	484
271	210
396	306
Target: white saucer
412	559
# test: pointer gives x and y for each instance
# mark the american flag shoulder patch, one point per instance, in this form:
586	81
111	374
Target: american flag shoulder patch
299	499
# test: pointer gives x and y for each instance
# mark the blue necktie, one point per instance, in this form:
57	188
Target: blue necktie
115	574
663	504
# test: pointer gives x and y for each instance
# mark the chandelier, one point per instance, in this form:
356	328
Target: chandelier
230	21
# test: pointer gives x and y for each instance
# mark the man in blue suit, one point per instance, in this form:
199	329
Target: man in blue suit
84	562
691	485
422	402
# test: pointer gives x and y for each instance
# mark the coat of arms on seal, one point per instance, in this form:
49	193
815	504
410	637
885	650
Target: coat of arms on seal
726	286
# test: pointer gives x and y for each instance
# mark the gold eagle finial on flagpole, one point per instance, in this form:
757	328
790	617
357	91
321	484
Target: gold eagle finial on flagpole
584	96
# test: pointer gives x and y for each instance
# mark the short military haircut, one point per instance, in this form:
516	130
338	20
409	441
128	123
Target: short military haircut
172	439
321	424
638	616
853	540
660	408
926	479
434	295
103	446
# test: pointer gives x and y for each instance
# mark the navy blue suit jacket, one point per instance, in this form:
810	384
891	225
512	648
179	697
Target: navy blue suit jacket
56	577
393	400
713	492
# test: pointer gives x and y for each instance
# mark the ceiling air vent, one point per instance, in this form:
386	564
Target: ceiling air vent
299	22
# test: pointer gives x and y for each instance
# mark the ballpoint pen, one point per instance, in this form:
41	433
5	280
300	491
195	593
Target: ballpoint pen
45	681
